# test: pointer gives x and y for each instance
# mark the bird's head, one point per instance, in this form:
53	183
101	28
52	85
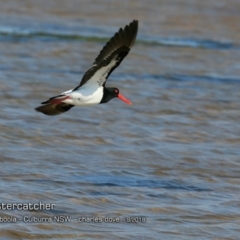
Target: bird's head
110	93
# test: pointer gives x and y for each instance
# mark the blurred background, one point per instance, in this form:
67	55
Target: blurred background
172	157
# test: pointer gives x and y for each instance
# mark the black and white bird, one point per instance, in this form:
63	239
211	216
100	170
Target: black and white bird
92	89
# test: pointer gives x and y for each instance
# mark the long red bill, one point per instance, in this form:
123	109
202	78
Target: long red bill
120	96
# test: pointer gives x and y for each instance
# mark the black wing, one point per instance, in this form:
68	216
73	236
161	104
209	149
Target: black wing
111	55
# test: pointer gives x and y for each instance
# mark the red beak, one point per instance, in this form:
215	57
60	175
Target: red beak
120	96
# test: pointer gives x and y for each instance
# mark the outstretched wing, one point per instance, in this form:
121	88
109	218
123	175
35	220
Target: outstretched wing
111	55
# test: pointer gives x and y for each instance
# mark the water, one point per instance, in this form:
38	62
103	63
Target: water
172	157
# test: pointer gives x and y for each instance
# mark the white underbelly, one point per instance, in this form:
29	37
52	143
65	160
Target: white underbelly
84	97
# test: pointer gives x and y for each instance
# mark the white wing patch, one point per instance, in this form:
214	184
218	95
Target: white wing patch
101	74
67	92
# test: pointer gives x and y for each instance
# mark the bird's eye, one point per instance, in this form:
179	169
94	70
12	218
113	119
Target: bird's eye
116	91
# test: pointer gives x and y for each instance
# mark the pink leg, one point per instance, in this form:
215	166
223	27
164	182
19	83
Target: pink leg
59	100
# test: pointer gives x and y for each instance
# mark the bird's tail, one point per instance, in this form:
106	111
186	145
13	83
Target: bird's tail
54	109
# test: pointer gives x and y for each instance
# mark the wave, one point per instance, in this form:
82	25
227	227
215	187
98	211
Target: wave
221	79
187	78
193	43
19	33
15	34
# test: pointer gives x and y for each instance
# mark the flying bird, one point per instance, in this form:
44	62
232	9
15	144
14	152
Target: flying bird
92	89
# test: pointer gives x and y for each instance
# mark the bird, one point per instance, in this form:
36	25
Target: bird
92	89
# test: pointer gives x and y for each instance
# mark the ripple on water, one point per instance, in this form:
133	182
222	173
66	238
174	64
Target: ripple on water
173	156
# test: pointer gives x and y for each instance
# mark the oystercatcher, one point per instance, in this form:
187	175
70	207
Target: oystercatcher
92	89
